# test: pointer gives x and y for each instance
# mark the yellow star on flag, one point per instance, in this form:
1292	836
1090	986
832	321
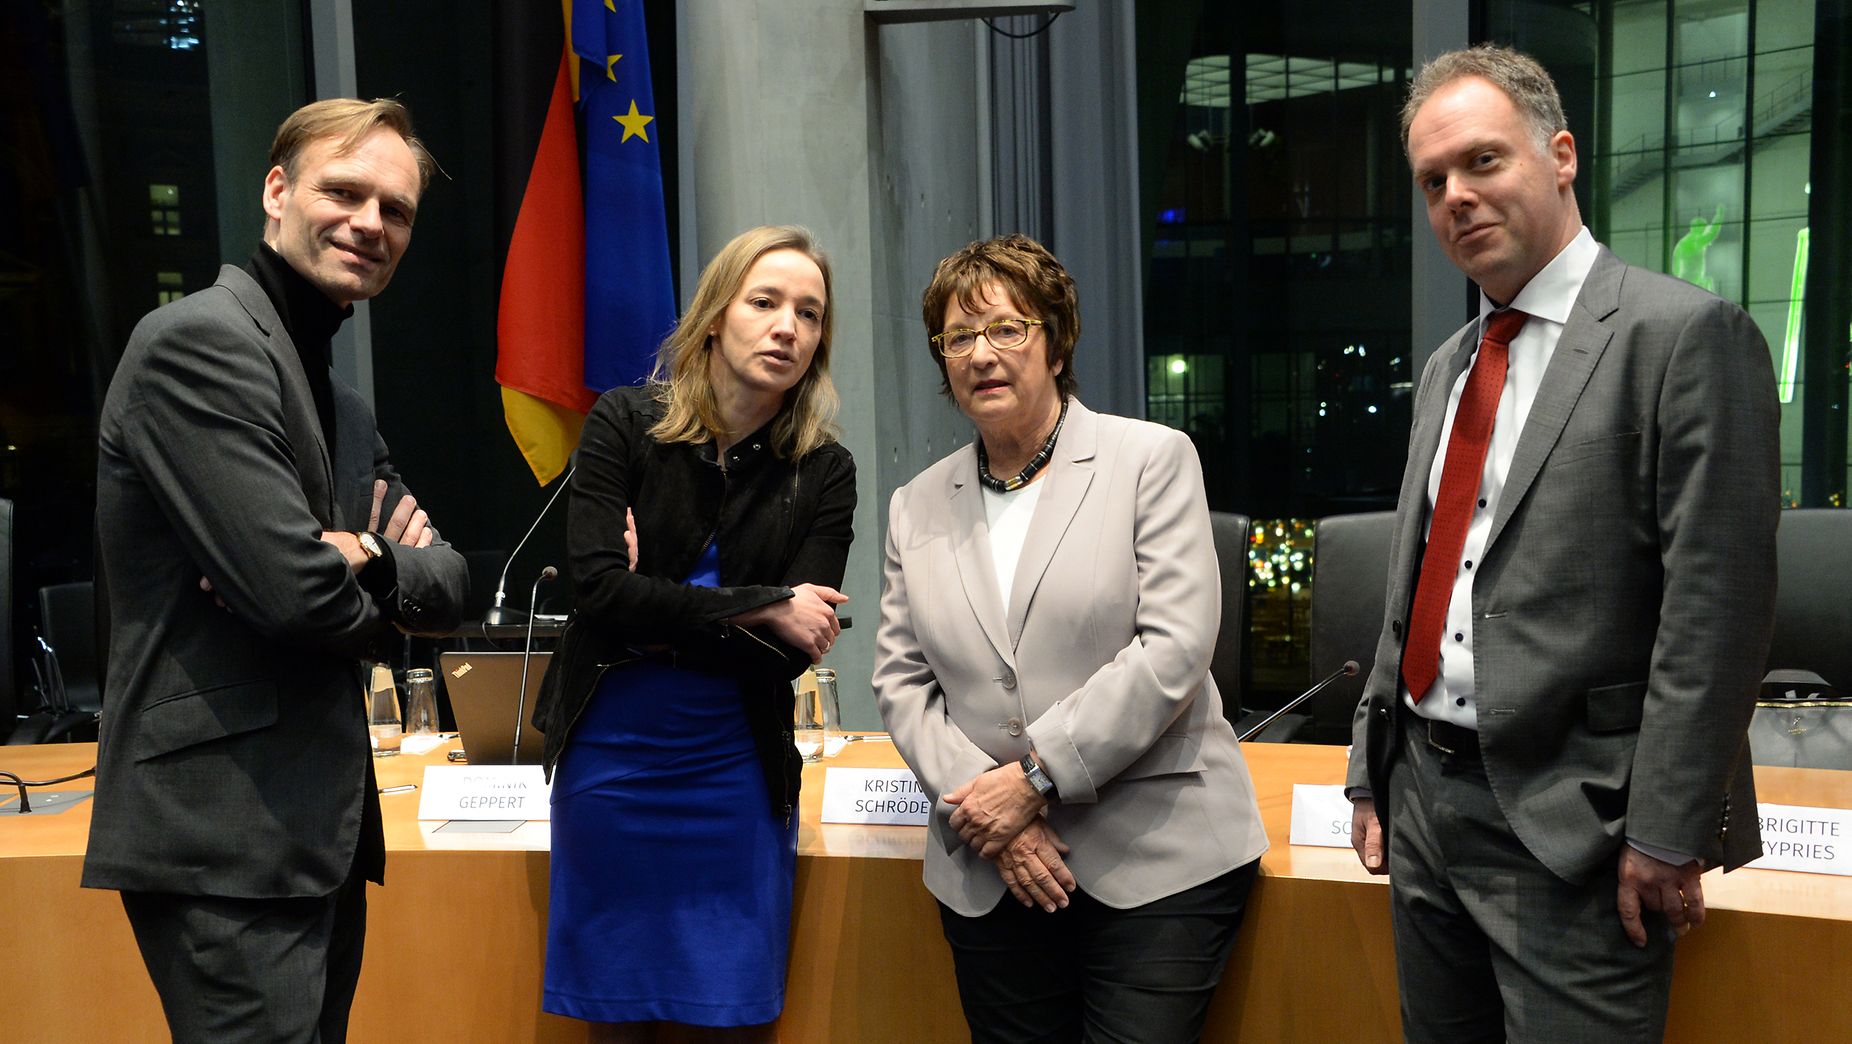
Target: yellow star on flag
610	5
633	124
610	71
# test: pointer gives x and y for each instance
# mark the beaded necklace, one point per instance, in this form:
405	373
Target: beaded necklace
1029	470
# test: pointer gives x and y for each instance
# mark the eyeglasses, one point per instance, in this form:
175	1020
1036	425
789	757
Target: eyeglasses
1003	335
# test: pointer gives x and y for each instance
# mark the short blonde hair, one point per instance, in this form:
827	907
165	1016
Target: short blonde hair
350	120
807	420
1518	75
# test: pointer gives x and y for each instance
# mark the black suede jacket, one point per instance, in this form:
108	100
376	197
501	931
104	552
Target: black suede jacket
778	523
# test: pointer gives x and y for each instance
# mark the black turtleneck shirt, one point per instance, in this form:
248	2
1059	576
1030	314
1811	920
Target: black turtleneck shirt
310	319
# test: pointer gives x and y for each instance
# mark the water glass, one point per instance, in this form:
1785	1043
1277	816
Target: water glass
807	728
383	712
829	711
420	702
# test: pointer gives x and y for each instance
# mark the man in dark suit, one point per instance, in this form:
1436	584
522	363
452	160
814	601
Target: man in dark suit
241	491
1552	745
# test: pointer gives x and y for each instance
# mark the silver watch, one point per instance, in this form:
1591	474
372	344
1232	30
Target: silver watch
1037	778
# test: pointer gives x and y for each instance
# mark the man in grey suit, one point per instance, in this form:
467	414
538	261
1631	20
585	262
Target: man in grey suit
256	546
1552	748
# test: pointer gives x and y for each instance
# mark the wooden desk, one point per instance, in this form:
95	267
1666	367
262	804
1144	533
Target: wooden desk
455	944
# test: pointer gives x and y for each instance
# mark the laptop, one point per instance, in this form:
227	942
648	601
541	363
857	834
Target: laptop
484	692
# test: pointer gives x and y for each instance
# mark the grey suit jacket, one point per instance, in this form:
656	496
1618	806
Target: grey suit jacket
1101	659
234	755
1624	604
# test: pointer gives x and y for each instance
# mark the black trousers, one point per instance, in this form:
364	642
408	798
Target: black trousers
1492	946
269	970
1094	973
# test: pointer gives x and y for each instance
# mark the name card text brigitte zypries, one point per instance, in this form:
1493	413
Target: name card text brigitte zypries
1814	840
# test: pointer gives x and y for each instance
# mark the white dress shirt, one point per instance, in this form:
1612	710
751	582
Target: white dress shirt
1547	299
1008	515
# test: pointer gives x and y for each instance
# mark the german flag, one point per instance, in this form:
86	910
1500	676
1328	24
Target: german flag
578	312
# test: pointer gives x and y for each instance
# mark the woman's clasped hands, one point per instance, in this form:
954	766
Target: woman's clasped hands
998	815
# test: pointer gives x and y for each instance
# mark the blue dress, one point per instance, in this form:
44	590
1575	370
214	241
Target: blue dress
671	879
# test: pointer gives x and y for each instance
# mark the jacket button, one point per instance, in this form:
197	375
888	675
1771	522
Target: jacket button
1395	628
1009	678
1015	726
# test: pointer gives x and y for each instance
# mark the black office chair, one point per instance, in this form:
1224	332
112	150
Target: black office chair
1230	532
1804	719
1350	579
9	692
70	689
67	618
1813	600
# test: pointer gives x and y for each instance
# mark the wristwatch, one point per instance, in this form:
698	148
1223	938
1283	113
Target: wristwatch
370	546
1037	778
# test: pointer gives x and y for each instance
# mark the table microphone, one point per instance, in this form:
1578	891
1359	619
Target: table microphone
25	804
527	656
498	613
1350	668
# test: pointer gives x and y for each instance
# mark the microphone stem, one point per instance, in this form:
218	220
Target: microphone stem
527	655
501	585
1342	672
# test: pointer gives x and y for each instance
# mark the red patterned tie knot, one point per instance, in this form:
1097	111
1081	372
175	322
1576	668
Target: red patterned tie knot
1503	326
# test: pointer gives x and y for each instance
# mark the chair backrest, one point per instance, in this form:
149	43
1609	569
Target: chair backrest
1350	579
9	691
1230	534
67	617
1813	601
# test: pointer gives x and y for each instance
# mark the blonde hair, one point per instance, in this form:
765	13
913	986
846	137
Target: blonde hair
807	420
350	120
1518	75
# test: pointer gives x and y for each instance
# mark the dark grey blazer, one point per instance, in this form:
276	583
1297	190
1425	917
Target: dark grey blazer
234	756
1623	608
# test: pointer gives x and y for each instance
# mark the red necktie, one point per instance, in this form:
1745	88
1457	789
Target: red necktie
1453	506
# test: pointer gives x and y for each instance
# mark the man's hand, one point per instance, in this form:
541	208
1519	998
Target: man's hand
1032	868
806	622
217	599
1366	836
408	525
994	808
1654	884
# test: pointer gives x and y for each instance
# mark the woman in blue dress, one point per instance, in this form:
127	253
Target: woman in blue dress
709	525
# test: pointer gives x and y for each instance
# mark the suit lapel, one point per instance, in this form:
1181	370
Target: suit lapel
1069	474
1584	339
297	400
971	551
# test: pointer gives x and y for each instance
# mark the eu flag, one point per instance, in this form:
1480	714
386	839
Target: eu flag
629	298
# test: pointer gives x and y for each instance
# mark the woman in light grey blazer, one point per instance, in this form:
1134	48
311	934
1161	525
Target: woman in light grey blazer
1050	608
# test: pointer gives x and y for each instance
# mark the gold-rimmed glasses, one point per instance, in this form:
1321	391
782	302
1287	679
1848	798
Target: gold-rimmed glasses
1004	335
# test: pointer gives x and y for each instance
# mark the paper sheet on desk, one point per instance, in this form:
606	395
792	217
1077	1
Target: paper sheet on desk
422	744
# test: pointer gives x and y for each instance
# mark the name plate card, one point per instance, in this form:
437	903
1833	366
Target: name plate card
1321	816
1810	840
485	792
887	796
